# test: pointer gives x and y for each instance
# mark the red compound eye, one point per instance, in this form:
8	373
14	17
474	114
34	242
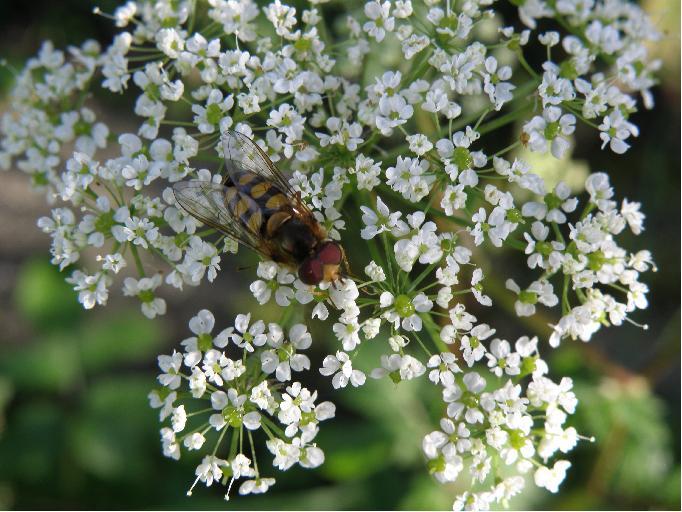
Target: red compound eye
330	253
310	271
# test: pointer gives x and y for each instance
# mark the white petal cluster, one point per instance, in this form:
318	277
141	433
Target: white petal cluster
214	401
410	157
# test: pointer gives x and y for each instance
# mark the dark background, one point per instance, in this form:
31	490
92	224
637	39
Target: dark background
76	431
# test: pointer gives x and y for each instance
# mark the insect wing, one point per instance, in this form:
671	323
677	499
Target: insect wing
243	154
206	202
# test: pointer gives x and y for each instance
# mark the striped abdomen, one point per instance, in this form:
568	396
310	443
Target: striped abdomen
257	203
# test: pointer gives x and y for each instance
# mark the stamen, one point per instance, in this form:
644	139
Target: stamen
227	494
189	493
644	327
97	11
7	65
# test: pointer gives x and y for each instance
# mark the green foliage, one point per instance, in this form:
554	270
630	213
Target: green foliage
44	298
104	440
49	365
630	424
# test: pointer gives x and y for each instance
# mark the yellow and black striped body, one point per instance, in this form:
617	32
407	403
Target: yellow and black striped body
269	213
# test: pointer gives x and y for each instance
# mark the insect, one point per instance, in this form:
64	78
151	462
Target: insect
256	206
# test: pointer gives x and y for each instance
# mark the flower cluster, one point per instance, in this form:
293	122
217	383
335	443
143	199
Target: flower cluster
211	399
411	155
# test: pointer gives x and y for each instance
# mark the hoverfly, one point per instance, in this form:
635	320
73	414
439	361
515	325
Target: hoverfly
256	206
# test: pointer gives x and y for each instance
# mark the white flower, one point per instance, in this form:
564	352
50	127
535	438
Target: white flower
502	360
201	258
247	337
634	218
554	89
419	144
139	231
284	358
179	419
473	349
214	114
404	310
497	87
296	401
113	262
550	130
615	130
477	288
424	245
367	172
281	16
554	205
380	21
550	479
460	161
195	441
209	471
170	42
241	467
444	367
257	486
539	291
201	325
344	134
275	278
371	327
169	443
143	289
380	221
454	198
408	178
262	397
597	185
543	254
469	400
91	289
341	367
286	455
348	333
170	365
399	368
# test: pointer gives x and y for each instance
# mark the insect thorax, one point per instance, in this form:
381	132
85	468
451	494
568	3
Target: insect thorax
297	238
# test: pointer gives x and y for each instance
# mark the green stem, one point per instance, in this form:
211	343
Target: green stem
421	343
422	276
434	333
136	257
525	65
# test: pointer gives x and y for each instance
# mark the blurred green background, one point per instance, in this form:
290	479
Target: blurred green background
76	430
